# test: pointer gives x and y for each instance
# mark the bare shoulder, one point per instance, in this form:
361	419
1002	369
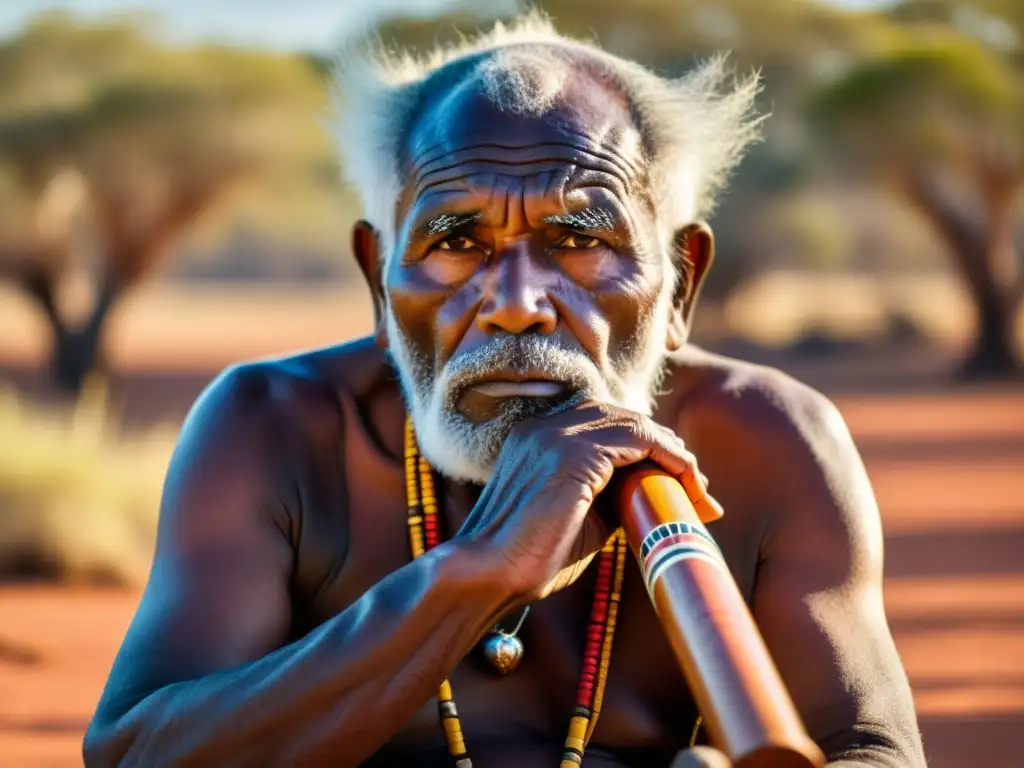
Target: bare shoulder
260	436
780	448
295	392
761	404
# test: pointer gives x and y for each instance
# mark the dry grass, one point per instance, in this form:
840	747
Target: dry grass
79	500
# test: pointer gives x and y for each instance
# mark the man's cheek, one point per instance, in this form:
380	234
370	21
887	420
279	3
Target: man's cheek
414	315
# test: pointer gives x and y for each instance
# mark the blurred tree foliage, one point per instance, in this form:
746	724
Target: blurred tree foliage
111	145
938	112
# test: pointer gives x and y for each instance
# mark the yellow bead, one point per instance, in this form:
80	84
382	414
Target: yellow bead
578	726
453	735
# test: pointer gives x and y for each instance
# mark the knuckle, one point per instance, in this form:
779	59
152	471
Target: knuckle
643	428
606	412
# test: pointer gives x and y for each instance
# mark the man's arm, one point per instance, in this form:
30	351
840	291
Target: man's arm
204	676
818	590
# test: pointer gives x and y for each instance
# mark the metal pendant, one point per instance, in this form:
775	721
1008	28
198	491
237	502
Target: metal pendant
503	651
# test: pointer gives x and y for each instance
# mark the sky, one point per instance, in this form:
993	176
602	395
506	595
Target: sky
284	24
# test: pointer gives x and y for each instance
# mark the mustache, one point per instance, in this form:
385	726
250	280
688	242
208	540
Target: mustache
524	355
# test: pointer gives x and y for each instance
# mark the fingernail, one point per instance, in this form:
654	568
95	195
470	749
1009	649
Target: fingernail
705	479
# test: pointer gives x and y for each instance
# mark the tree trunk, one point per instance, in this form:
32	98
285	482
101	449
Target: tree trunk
994	354
75	352
78	352
985	259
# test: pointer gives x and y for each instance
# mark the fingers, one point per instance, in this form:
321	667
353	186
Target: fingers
695	483
627	438
635	438
669	450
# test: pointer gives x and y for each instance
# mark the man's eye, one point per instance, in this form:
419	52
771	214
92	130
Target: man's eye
579	241
458	244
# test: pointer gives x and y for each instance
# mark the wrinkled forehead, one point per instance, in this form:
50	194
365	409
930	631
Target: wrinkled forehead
466	113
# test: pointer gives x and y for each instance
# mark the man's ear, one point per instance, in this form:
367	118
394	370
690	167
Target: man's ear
366	248
693	250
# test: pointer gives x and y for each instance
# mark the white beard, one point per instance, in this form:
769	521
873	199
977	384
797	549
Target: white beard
467	451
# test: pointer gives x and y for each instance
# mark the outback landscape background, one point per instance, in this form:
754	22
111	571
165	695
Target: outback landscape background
170	205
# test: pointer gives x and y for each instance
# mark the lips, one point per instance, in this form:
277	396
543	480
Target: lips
486	398
526	388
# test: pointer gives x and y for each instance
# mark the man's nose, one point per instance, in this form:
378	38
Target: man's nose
516	299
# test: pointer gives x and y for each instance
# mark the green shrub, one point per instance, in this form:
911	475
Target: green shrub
79	499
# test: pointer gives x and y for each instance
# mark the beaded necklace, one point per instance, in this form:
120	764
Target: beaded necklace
424	534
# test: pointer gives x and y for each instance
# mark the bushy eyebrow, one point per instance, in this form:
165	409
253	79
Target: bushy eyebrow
585	220
446	223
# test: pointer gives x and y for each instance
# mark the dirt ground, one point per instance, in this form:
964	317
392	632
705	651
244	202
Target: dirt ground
948	468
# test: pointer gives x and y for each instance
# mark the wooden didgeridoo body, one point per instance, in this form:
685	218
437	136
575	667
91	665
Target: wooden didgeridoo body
746	709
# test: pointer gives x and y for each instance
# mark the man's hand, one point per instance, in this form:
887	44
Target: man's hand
701	757
534	515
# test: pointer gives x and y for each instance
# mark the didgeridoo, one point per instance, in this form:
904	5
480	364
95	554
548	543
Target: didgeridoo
746	709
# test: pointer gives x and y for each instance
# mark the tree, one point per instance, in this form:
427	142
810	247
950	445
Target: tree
939	116
114	142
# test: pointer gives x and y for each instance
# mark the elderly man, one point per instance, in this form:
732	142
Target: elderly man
327	570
